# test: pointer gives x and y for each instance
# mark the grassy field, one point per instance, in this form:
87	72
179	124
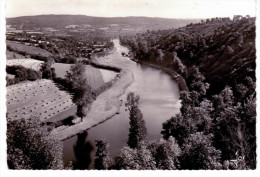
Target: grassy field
95	77
27	63
13	55
107	75
28	49
39	98
60	69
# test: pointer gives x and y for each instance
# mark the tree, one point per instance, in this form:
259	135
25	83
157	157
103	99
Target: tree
176	127
83	94
195	81
135	159
30	146
191	119
198	153
126	159
177	65
234	127
81	112
102	160
165	153
21	73
137	130
82	97
46	68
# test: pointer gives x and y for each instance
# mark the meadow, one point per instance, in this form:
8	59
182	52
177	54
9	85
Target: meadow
13	55
95	77
28	49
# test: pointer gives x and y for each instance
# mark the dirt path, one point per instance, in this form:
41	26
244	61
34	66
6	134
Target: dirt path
104	107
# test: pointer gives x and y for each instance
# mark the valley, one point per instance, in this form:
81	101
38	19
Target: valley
163	93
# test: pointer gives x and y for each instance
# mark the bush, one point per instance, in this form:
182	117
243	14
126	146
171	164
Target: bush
165	153
135	159
21	74
46	68
198	153
30	146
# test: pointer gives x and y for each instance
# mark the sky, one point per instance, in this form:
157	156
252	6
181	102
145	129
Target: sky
121	8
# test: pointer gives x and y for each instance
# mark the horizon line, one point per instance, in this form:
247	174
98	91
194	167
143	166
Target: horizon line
121	16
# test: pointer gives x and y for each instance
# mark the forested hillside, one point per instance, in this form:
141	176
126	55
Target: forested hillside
216	128
223	49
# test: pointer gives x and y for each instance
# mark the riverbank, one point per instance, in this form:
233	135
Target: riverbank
159	101
106	105
174	75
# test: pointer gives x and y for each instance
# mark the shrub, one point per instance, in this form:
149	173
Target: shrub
198	153
21	73
30	146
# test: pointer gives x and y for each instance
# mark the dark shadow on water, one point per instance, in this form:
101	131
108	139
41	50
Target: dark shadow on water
82	151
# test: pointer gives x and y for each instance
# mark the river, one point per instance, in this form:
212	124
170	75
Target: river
159	96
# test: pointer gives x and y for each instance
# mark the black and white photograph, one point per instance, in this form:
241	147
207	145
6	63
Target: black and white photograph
129	85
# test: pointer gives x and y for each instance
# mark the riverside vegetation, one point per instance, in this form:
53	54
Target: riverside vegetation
216	126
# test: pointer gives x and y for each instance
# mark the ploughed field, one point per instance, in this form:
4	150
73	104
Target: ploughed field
41	98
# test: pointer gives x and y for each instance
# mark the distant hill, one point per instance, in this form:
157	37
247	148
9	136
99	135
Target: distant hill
61	21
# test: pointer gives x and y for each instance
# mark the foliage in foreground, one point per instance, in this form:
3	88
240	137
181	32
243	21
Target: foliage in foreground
207	134
141	154
221	114
30	146
103	159
137	130
225	121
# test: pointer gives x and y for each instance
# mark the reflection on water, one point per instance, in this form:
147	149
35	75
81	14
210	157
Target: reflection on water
82	148
82	151
159	96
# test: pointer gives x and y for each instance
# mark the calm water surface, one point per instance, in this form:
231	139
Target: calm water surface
159	96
